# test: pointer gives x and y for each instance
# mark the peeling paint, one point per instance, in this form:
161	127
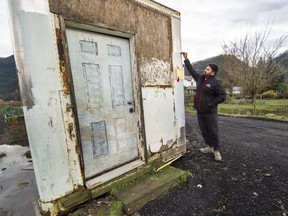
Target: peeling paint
182	137
163	148
155	72
50	122
68	108
170	142
70	131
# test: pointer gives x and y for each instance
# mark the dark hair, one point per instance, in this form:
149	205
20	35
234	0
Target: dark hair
214	68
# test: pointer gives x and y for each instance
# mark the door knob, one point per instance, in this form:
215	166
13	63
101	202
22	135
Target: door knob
131	110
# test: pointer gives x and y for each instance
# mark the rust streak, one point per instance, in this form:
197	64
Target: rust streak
68	108
158	86
70	131
62	62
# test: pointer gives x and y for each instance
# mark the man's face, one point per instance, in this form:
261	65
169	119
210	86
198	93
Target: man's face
208	71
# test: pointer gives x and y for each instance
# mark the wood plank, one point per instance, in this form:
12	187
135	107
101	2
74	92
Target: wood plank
113	174
135	196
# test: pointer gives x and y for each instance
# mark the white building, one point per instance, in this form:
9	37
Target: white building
189	82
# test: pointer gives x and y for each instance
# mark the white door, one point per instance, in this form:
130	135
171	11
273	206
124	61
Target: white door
101	71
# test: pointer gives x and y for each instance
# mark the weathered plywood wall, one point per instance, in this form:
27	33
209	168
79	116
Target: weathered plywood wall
152	29
153	41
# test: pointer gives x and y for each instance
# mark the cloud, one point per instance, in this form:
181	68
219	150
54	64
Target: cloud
5	42
205	24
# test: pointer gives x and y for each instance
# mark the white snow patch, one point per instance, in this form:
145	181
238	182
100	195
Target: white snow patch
14	157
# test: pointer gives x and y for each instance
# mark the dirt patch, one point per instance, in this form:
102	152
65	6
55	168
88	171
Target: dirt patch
6	212
15	134
102	206
2	155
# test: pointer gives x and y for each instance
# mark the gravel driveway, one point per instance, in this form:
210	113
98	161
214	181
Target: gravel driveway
252	179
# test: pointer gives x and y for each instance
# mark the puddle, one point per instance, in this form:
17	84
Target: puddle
18	189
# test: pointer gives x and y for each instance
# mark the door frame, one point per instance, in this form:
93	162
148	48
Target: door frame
136	81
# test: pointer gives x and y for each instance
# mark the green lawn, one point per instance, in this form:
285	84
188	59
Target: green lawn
275	109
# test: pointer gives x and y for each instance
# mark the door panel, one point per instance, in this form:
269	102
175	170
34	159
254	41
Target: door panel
117	85
101	72
93	85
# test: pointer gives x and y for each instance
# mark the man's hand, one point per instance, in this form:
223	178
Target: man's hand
185	55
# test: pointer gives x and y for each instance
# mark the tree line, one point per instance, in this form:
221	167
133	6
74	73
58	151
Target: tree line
9	87
279	85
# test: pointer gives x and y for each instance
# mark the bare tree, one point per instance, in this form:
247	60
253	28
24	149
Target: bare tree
251	62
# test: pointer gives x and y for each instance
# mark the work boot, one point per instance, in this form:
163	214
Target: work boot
207	149
217	155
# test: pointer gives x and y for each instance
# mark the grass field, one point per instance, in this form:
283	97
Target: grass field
273	109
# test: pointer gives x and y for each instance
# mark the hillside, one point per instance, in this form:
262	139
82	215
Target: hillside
282	59
199	66
219	60
9	88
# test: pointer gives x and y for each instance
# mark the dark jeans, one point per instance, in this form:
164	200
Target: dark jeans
208	124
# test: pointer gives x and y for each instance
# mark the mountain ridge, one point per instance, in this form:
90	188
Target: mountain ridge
9	87
199	66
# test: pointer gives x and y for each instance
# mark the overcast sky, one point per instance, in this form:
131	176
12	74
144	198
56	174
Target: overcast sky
205	24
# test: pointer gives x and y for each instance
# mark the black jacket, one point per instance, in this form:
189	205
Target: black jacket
209	93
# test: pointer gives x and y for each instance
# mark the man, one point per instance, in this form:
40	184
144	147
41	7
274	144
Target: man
209	93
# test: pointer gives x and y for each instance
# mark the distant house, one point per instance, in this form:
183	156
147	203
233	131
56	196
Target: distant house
236	90
189	84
